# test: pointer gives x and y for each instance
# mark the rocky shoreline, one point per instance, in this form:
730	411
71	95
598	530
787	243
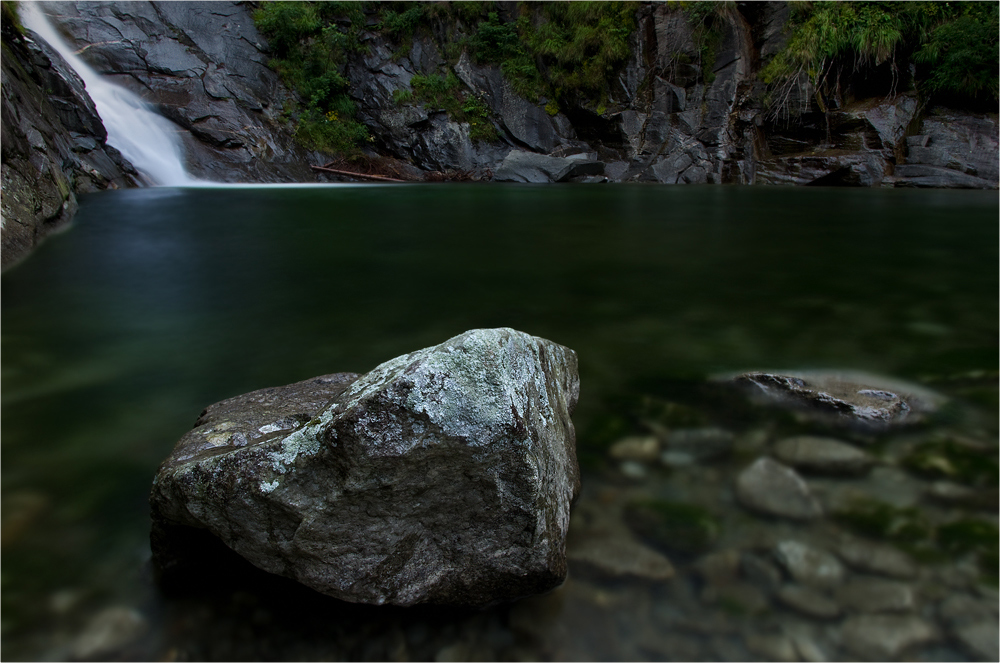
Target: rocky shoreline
205	67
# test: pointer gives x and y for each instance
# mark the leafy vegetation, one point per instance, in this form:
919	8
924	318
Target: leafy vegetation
558	49
309	50
8	13
446	93
953	46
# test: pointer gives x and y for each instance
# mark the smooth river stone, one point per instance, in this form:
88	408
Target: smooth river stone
822	455
769	487
442	476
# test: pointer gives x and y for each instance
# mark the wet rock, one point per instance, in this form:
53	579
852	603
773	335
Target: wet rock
885	637
980	640
719	568
760	572
702	444
203	65
876	595
824	168
53	146
959	609
843	397
737	597
775	490
108	633
952	149
964	496
444	476
618	558
822	455
876	558
808	601
772	647
520	166
644	449
808	565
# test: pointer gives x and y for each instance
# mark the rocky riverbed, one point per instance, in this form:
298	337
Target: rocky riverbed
883	547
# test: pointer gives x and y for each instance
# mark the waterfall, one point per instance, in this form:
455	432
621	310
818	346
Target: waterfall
148	140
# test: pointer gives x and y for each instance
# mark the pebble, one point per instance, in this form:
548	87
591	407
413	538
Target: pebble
760	572
876	558
618	558
719	568
701	443
808	601
981	640
960	609
643	449
110	631
959	495
808	565
808	650
822	455
633	469
876	595
772	647
737	597
885	637
771	488
676	458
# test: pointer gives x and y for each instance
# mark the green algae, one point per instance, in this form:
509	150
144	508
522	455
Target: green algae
946	459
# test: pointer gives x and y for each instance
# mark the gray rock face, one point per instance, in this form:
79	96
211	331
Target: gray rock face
952	150
442	476
846	398
771	488
203	66
520	166
818	454
53	145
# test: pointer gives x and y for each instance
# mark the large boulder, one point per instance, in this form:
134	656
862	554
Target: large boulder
520	166
442	476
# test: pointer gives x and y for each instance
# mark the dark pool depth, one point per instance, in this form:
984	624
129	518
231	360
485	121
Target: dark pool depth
158	302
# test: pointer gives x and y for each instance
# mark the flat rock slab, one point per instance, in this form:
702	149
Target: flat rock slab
443	476
845	397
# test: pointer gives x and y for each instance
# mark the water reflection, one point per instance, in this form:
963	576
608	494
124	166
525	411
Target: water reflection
159	302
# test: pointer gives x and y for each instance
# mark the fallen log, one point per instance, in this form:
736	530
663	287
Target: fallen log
349	173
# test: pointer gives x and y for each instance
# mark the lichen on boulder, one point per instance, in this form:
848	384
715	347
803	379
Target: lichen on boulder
442	476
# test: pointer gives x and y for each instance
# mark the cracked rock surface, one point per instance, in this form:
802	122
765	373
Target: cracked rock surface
442	476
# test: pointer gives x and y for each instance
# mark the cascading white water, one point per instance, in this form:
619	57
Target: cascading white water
146	139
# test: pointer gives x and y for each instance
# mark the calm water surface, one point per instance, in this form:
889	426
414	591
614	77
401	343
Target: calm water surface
158	302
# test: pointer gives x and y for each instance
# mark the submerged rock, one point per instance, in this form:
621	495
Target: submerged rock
843	397
885	637
442	476
822	455
771	488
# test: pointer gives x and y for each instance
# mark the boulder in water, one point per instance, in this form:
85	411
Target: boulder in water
442	476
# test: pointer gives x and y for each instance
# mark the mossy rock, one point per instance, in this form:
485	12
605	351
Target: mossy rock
972	535
675	527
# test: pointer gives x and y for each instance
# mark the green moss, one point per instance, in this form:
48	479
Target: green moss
972	535
944	459
9	15
673	526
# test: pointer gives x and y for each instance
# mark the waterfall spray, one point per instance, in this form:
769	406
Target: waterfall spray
146	139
